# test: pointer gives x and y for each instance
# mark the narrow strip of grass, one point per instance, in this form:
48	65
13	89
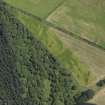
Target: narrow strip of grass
85	18
39	8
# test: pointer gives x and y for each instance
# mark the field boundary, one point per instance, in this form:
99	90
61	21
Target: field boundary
74	35
55	9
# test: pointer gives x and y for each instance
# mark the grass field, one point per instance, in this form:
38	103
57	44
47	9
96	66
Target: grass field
39	8
85	18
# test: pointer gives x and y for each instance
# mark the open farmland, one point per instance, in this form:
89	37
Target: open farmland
84	18
41	8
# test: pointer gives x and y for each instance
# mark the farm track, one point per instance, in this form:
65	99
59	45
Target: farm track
74	35
55	9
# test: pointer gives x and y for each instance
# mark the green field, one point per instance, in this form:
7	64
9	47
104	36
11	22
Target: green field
41	8
86	18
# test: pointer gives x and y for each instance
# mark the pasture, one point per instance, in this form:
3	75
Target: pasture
41	8
85	18
50	40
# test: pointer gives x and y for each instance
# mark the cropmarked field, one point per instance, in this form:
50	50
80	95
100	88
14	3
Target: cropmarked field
85	18
41	8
